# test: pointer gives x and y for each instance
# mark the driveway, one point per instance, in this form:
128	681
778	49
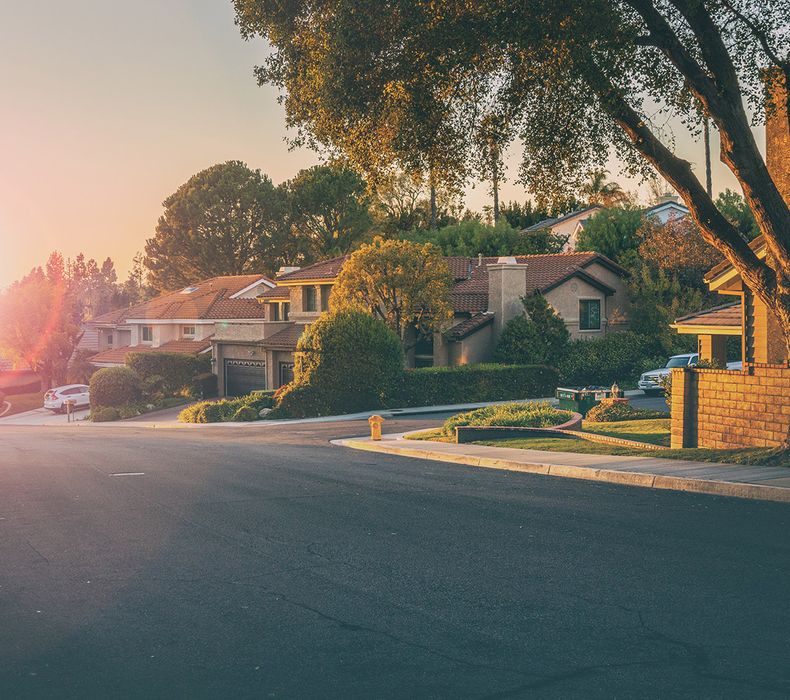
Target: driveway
248	564
43	417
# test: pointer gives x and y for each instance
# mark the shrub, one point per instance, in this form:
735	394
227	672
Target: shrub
154	386
351	361
114	386
538	337
105	415
204	386
525	415
245	414
176	370
617	357
610	412
434	386
300	401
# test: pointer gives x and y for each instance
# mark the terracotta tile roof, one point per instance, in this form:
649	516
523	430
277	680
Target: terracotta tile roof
275	294
118	355
729	314
284	339
324	270
208	299
725	265
470	275
470	325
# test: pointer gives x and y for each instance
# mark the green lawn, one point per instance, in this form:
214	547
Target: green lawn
652	431
24	402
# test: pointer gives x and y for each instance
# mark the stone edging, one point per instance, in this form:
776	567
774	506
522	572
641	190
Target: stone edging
613	476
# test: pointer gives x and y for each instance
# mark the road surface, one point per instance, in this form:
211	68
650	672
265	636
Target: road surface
254	564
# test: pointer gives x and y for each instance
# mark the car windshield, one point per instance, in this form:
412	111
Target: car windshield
678	362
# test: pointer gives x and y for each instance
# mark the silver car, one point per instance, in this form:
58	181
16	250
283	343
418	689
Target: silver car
650	382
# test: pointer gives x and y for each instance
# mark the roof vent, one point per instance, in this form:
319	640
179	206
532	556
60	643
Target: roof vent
285	269
508	260
188	290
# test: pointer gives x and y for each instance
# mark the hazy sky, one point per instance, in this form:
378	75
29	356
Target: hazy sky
108	106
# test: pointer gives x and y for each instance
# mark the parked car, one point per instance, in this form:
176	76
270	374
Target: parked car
650	382
55	399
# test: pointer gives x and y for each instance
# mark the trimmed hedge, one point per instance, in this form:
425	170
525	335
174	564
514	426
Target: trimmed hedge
436	386
617	357
204	386
175	372
105	415
114	386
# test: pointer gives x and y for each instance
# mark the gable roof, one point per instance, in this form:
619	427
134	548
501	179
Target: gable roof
725	265
469	293
730	314
547	223
209	299
665	205
117	356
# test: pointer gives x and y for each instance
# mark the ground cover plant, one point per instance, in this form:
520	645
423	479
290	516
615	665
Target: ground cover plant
610	412
242	409
532	414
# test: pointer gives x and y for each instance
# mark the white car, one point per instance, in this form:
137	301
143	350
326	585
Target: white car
55	399
650	382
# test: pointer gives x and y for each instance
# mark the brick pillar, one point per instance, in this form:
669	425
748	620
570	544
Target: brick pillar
713	348
683	426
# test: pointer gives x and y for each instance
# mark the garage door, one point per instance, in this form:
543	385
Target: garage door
244	376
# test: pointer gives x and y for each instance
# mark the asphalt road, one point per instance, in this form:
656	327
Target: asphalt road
252	564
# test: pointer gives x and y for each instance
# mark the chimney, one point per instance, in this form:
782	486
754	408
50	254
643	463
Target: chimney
507	284
777	134
285	269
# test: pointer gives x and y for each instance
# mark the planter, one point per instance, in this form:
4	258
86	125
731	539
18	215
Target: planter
473	433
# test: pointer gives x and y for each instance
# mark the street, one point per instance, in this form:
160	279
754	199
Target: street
268	563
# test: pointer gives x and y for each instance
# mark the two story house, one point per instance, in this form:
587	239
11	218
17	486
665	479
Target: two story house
586	289
183	321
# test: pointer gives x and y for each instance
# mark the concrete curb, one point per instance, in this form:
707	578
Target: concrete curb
613	476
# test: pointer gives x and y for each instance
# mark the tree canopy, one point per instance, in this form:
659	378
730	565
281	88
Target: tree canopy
225	220
580	80
611	232
405	284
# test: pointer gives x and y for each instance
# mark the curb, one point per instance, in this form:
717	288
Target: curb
612	476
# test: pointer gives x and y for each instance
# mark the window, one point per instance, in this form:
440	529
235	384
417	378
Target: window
188	331
590	315
423	352
109	339
308	299
326	290
274	312
286	311
148	334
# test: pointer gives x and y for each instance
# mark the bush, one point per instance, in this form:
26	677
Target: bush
610	412
204	386
301	401
350	360
525	415
105	415
617	357
154	386
176	370
114	386
435	386
245	414
538	337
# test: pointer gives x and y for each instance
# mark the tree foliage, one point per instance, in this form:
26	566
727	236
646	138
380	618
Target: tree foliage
225	220
538	336
597	190
405	284
378	81
611	232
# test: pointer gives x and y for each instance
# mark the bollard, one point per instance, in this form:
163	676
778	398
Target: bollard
375	427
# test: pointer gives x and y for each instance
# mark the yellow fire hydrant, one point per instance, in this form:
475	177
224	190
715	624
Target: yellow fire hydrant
375	427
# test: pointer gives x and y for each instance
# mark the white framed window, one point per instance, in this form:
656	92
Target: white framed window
147	334
109	340
188	331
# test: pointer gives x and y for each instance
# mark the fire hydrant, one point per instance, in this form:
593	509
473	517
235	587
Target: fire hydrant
375	427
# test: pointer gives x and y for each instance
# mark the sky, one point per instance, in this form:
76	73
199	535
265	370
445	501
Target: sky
109	106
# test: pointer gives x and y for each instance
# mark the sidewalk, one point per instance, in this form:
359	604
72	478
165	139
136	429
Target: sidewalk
738	480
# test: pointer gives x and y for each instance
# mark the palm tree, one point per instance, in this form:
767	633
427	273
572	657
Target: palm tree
598	191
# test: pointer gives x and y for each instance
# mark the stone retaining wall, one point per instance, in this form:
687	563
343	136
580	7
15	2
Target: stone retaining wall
724	409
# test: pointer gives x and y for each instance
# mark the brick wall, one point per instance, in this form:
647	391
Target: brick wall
724	409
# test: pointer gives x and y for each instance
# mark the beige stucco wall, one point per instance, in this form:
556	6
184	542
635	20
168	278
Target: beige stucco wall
618	306
478	347
565	301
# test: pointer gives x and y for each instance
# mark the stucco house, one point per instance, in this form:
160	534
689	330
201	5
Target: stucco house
182	321
586	289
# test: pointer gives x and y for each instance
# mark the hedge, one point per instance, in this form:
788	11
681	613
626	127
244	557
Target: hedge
532	414
113	387
228	409
175	372
436	386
